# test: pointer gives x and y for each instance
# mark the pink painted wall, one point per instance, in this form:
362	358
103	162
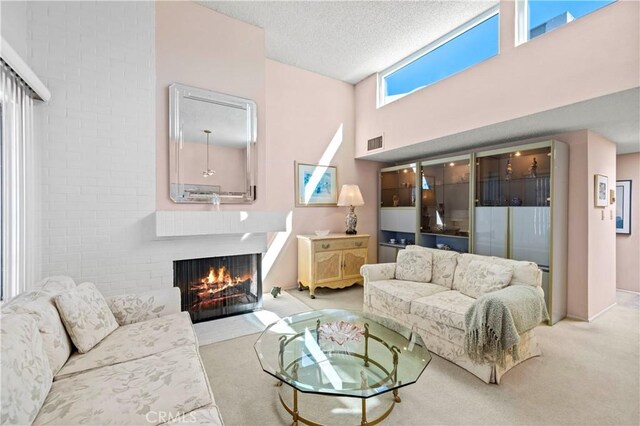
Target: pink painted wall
595	55
299	114
602	228
199	47
578	224
305	112
591	272
628	246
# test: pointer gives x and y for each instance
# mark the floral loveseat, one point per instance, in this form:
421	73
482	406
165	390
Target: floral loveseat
433	298
146	371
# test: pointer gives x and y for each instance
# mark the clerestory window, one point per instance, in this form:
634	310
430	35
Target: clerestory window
464	47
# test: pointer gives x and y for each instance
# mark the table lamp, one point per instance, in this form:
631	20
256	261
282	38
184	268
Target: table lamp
350	196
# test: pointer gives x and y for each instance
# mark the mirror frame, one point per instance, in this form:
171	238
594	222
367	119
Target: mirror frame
179	92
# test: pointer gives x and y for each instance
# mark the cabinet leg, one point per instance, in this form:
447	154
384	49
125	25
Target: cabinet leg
312	296
300	286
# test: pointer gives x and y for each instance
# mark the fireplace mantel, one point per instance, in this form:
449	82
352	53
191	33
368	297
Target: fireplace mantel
193	223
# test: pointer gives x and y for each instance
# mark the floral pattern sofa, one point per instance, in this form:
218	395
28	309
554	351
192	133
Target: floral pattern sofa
146	372
436	309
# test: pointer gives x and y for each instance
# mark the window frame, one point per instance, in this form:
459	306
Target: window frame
382	75
522	21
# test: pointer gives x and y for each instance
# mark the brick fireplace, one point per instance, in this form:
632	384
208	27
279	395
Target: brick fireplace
217	287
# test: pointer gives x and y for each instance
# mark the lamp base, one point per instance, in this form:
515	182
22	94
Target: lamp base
351	221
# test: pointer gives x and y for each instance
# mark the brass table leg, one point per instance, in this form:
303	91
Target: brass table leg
396	398
295	407
363	422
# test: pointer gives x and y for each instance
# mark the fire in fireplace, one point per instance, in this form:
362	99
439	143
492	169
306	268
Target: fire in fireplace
217	287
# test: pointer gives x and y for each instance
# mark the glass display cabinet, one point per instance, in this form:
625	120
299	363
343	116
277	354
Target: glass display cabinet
444	203
520	211
398	186
398	195
515	178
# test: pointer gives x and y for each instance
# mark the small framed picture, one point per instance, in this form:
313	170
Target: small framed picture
316	185
601	189
623	207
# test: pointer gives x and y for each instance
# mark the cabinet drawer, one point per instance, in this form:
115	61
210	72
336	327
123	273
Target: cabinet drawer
350	243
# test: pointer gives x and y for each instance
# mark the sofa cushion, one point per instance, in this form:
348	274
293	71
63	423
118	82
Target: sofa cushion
25	373
55	339
524	273
412	265
485	277
86	316
398	294
132	308
56	285
460	276
39	303
134	341
132	392
443	265
447	307
50	286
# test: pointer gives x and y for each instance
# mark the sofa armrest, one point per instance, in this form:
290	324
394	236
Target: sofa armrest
131	308
377	272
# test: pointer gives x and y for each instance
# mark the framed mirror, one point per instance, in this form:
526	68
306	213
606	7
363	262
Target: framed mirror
212	146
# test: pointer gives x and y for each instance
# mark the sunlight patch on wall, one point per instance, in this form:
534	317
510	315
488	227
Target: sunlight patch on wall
276	247
325	160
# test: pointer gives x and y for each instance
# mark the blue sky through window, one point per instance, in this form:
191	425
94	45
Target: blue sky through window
469	48
541	11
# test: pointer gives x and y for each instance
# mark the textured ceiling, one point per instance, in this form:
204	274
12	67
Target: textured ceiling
349	40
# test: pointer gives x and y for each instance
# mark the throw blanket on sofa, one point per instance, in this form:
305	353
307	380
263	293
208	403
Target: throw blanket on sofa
495	321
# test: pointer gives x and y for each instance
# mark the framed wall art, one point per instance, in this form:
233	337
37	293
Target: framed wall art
316	185
601	191
623	207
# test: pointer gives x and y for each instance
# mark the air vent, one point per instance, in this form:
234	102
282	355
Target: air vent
375	143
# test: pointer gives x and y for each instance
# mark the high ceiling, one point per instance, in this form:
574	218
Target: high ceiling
349	40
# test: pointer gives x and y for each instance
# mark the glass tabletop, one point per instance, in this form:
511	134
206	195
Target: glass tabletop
339	352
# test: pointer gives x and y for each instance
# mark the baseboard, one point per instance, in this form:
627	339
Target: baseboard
575	318
629	291
602	311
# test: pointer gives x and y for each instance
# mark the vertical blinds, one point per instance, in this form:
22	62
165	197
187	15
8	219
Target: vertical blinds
16	160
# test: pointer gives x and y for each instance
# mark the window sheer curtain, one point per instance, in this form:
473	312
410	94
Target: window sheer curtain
17	189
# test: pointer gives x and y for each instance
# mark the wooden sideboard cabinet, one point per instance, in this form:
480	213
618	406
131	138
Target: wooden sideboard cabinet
331	261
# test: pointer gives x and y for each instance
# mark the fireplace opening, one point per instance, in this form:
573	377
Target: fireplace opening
217	287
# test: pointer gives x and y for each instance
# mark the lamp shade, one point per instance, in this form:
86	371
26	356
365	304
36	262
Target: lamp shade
350	196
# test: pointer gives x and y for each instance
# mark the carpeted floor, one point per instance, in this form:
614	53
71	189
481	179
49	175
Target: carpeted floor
589	374
240	325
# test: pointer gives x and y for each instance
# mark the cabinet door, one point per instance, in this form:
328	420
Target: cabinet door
491	231
387	254
327	266
352	260
531	234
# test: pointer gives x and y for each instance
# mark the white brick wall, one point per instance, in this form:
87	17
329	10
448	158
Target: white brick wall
97	146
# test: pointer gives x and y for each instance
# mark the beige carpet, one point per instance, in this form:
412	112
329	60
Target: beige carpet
589	374
344	298
273	309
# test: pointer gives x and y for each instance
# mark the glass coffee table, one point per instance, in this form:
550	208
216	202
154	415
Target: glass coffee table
341	353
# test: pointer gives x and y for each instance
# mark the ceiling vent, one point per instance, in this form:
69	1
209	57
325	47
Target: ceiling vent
375	143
